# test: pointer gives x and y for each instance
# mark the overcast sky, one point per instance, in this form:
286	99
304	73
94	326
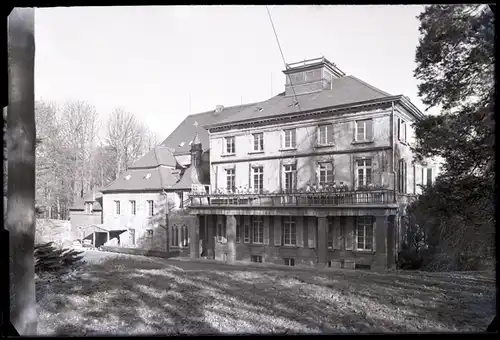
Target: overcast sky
164	63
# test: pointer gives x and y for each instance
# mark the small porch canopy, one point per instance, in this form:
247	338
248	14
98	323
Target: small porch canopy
94	229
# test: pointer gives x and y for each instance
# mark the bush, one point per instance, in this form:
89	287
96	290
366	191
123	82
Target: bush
50	258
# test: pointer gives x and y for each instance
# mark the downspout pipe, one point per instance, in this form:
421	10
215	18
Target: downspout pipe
166	220
393	147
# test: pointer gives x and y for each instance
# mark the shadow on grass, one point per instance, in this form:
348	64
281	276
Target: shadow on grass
138	295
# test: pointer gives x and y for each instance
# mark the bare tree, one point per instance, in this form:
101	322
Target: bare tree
79	131
48	156
127	137
21	139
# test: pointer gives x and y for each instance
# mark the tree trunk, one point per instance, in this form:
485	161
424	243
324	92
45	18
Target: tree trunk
21	169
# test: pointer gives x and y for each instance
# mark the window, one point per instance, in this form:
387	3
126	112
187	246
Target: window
258	179
117	207
364	172
325	134
149	233
88	207
246	234
258	142
256	258
325	173
364	233
230	180
364	130
402	177
184	237
401	130
175	236
258	229
290	181
221	232
289	262
330	233
151	208
238	232
131	233
297	78
181	199
230	147
429	176
290	138
289	231
132	208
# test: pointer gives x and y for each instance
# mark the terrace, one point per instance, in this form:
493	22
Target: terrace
323	197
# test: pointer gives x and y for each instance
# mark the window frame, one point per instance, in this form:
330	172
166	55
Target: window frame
330	234
247	234
231	177
151	208
229	141
221	233
289	174
292	139
402	176
325	172
328	135
364	222
402	130
257	229
133	207
117	207
258	172
291	223
365	168
174	240
428	180
184	233
258	140
365	134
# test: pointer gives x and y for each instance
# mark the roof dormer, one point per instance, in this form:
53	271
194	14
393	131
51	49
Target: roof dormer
310	76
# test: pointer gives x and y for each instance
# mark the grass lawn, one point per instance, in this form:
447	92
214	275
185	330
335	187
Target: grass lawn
124	294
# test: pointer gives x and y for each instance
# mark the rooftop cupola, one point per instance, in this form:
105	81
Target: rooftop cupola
310	76
196	151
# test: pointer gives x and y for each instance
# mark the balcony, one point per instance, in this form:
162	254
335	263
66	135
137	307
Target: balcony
300	199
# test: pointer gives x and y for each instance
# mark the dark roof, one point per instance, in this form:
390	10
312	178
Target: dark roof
159	155
80	203
192	175
160	178
193	124
345	90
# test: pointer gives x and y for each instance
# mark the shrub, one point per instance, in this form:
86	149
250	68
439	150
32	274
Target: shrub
50	258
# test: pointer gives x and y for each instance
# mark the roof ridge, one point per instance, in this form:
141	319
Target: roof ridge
225	107
161	178
156	157
370	86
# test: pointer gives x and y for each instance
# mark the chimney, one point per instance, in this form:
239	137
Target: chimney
219	108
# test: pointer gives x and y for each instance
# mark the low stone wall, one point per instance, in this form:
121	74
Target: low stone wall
57	231
143	252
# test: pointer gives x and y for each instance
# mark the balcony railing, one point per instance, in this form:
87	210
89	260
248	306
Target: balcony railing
311	199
